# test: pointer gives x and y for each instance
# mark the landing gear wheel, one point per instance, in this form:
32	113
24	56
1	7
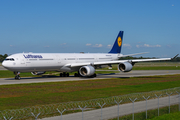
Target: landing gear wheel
75	74
67	74
61	74
17	77
64	74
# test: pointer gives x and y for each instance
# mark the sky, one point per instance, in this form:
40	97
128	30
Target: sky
90	26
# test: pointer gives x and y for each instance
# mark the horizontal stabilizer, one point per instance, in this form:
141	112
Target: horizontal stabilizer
175	57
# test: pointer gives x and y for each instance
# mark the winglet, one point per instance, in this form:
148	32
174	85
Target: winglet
174	57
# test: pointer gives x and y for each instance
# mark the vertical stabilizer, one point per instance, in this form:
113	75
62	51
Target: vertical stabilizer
117	44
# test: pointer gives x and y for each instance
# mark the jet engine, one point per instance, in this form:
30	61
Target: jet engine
38	73
125	67
86	71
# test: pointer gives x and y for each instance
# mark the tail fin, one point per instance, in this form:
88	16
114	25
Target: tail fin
118	43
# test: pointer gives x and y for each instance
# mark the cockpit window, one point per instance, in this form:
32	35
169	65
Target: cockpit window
9	59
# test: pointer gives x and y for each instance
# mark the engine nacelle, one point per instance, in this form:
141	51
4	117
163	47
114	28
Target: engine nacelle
125	67
86	71
38	73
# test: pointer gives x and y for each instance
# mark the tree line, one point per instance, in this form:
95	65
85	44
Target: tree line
3	57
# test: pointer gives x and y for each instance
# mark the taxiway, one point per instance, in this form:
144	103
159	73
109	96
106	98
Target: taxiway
2	68
133	73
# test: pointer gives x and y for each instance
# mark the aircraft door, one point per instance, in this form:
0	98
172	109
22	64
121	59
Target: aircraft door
22	61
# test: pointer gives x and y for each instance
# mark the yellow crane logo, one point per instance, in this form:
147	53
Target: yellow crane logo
119	41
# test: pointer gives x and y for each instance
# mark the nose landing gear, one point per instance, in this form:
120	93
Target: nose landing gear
17	77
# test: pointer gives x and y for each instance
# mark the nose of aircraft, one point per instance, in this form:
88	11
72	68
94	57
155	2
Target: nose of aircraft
3	64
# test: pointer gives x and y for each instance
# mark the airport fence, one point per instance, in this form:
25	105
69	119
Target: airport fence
79	106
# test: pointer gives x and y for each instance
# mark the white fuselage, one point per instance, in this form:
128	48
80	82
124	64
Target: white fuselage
31	62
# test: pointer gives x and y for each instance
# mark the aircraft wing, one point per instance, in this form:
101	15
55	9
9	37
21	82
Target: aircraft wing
115	62
148	60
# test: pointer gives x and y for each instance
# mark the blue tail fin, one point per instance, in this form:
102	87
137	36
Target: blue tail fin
117	44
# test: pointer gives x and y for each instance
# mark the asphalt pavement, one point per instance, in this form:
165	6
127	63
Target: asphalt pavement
2	68
133	73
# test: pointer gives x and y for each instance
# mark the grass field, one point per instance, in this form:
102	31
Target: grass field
171	116
153	114
24	95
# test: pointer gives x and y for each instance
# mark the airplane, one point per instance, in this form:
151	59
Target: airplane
83	63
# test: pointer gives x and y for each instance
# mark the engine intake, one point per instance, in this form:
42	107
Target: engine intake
86	71
125	67
38	73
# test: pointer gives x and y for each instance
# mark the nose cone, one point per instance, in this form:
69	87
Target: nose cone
4	64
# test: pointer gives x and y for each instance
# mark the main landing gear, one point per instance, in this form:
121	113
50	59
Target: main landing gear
17	77
64	74
76	75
